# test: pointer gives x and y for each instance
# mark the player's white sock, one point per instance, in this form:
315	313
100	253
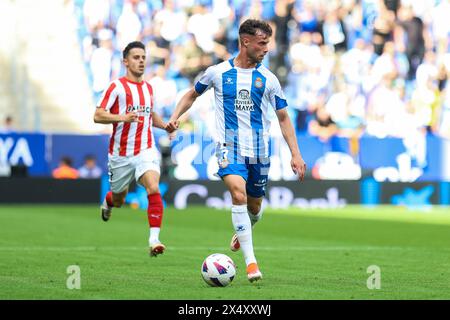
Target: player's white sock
254	218
154	236
243	227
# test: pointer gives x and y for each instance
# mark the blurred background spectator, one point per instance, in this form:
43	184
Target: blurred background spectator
65	170
90	169
7	126
322	126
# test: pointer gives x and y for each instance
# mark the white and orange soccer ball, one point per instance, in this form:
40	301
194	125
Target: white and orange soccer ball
218	270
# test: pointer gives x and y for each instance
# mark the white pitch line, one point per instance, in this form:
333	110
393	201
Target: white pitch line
205	248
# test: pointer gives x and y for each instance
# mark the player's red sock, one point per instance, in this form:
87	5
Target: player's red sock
109	200
155	210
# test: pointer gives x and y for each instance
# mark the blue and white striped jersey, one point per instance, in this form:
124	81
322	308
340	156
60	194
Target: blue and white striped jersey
243	97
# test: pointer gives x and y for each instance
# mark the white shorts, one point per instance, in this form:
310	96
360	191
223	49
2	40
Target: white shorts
122	170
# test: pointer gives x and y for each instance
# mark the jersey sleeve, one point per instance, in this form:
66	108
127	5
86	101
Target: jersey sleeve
206	81
108	97
277	98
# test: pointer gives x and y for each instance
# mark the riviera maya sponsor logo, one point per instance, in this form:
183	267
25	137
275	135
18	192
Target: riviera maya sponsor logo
243	101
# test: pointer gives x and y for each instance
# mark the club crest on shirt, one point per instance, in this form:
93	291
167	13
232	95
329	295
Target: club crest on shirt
258	83
243	102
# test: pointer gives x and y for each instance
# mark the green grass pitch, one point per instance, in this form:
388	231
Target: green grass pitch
303	254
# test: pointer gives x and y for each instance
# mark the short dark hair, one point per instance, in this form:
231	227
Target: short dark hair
67	160
89	157
132	45
250	26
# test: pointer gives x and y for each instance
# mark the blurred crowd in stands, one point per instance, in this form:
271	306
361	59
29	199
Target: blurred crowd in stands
66	170
348	67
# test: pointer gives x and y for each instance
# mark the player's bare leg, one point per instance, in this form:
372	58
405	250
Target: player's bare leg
242	223
254	208
150	180
255	212
112	200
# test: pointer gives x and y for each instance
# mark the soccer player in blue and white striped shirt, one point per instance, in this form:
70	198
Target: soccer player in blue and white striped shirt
244	91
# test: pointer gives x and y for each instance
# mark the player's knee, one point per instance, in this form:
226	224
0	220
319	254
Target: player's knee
239	197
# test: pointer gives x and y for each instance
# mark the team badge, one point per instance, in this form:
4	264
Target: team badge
258	82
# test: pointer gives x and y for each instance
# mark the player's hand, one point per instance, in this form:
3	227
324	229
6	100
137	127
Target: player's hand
172	135
132	117
171	131
298	165
172	125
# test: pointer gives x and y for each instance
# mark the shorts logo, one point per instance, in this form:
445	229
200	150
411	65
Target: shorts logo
110	174
240	228
261	183
258	83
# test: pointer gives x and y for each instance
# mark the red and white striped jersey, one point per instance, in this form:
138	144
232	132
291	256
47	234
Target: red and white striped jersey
124	96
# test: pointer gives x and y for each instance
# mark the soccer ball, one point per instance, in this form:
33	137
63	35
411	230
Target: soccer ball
218	270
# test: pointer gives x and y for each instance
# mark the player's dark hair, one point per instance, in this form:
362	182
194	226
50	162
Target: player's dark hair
132	45
251	26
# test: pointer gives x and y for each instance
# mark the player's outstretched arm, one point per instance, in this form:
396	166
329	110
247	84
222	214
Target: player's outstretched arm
158	122
183	105
104	117
297	163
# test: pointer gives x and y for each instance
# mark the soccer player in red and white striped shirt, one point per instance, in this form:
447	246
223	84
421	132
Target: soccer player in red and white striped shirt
127	104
